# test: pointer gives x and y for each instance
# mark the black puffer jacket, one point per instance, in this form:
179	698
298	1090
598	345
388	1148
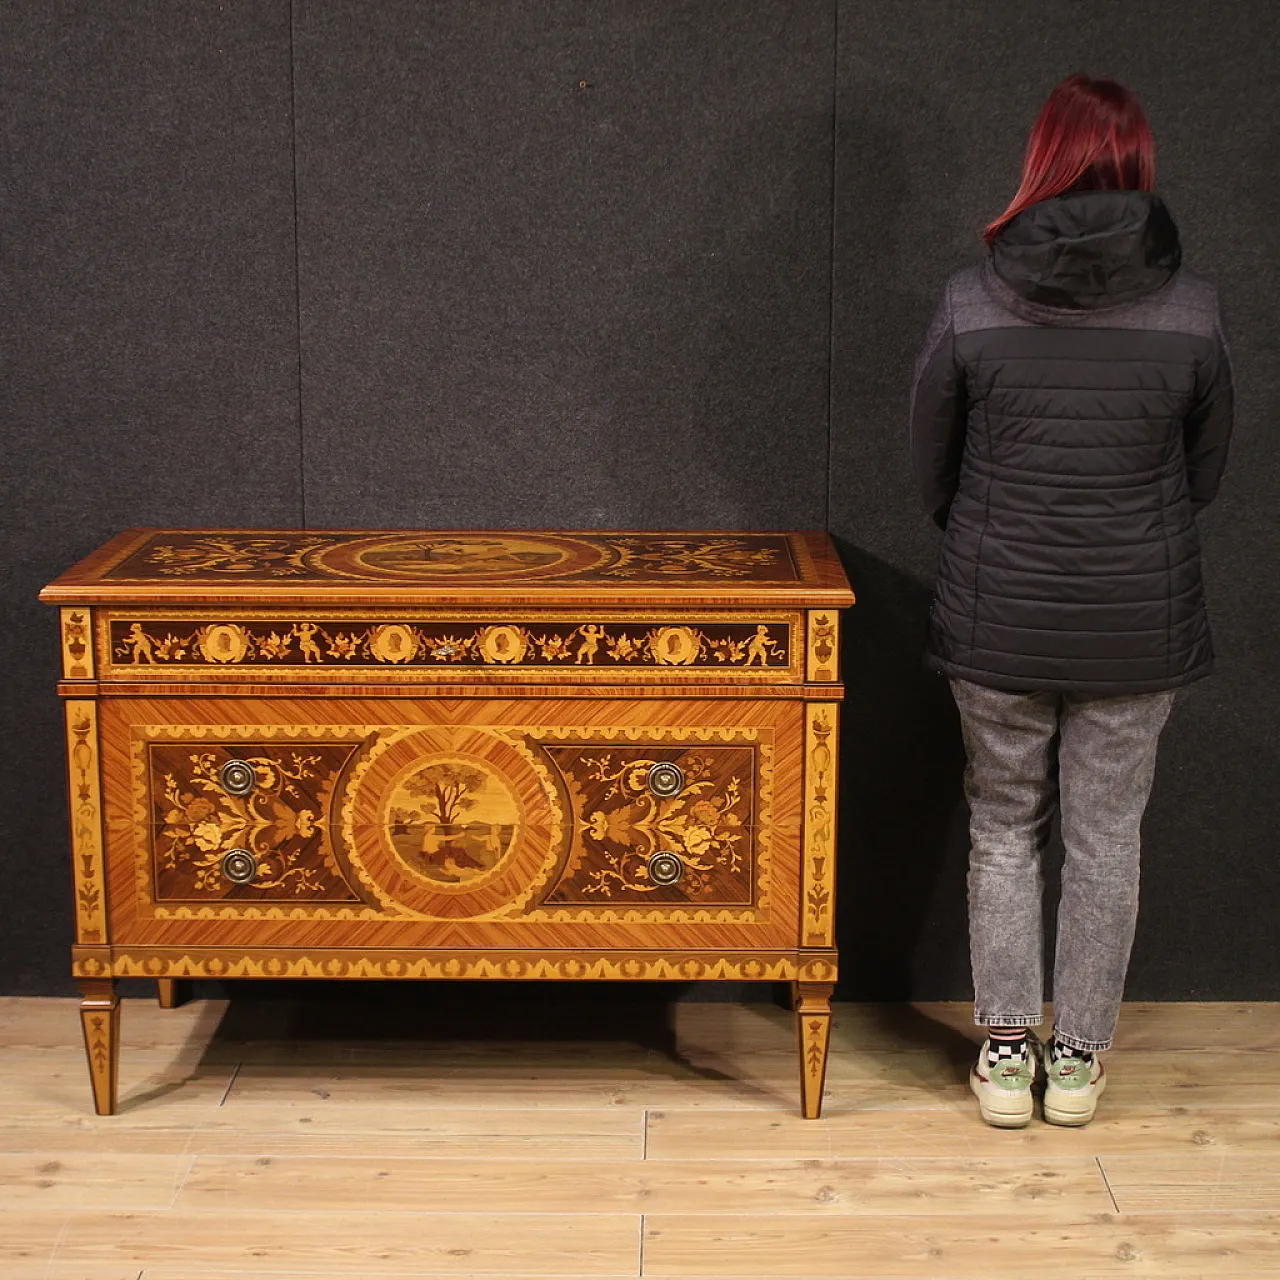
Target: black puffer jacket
1070	414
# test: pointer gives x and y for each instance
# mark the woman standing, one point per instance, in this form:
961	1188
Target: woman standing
1070	415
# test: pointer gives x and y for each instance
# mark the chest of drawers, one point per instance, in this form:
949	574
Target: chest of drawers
453	754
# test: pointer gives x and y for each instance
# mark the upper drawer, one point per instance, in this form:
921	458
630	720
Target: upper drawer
345	646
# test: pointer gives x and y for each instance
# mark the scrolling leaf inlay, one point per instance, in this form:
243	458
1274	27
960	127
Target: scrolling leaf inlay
436	556
675	558
283	822
359	642
621	825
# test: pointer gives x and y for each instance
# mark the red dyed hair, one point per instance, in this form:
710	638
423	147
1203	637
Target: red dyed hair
1090	135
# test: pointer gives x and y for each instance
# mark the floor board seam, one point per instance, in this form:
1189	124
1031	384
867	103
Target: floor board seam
1106	1182
226	1093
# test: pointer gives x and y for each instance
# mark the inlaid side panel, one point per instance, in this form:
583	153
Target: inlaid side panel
85	796
819	885
77	643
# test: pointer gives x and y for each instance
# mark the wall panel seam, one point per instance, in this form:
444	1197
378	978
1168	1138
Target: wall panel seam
297	276
831	249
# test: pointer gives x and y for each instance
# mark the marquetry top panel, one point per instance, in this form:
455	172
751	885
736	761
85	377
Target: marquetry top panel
464	567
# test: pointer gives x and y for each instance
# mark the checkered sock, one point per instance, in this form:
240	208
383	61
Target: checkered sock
1006	1043
1068	1051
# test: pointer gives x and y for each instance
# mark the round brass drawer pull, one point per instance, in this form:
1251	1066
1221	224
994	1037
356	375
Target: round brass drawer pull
666	779
239	866
237	777
666	868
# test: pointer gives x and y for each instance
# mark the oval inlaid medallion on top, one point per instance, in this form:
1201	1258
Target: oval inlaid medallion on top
461	558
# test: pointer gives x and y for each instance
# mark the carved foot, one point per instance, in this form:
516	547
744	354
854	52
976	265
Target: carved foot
812	1002
100	1019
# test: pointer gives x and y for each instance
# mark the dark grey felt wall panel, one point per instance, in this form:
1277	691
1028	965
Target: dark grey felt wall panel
147	344
565	263
934	104
523	299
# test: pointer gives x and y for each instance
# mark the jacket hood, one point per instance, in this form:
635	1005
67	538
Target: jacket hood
1088	250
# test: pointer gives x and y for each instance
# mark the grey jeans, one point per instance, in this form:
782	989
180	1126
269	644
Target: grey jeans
1092	759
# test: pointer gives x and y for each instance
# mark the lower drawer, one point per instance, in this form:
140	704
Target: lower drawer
486	823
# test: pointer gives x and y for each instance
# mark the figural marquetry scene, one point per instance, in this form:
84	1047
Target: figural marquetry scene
281	643
573	755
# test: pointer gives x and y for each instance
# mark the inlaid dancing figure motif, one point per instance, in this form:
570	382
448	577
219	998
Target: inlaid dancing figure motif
306	631
140	644
760	645
590	634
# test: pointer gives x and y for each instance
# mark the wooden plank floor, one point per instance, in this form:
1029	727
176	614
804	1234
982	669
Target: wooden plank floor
276	1138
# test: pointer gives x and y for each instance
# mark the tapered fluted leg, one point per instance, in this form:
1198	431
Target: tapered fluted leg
172	992
813	1024
100	1019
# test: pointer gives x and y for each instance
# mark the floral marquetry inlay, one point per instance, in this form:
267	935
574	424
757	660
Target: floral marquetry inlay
150	644
77	645
282	823
456	822
818	884
86	819
743	556
824	645
621	825
450	557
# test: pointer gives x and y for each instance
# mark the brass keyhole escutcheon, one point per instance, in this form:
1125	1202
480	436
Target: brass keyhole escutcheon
666	779
239	866
666	868
237	777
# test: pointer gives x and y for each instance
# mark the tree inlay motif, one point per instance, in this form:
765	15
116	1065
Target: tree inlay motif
452	821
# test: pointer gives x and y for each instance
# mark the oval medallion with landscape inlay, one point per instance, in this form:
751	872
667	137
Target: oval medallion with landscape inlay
462	557
453	822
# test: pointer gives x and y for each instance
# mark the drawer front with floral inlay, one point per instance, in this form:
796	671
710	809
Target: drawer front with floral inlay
480	820
658	824
248	824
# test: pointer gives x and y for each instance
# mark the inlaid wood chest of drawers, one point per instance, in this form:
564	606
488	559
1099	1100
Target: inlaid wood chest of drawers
491	754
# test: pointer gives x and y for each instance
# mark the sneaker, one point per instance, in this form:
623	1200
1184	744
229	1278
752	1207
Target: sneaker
1004	1091
1072	1087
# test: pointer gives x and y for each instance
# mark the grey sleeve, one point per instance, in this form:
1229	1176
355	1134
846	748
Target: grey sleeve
938	413
1206	430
